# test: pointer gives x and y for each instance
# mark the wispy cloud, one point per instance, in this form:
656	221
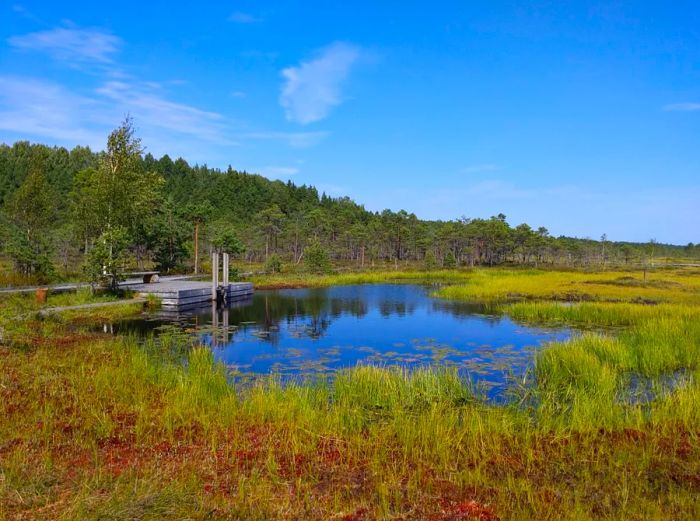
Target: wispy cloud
278	172
154	110
32	107
293	139
312	88
682	107
73	45
23	11
476	169
37	108
243	18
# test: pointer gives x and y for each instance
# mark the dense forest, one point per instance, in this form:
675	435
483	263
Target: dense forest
59	207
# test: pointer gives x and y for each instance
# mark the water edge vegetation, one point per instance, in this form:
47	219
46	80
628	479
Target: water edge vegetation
605	426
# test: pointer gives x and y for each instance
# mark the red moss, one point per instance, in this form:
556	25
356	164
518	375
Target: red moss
470	509
361	514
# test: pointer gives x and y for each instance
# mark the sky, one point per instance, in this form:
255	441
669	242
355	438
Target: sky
582	117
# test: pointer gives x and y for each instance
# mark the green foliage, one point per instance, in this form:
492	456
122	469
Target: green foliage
31	211
430	262
105	262
164	203
273	264
449	262
316	257
199	212
270	221
117	195
165	233
226	240
32	255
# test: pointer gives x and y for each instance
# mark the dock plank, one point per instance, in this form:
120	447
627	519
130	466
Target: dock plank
181	293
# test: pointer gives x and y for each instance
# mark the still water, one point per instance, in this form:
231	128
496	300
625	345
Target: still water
302	332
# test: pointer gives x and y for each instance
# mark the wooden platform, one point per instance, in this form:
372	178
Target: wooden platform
185	293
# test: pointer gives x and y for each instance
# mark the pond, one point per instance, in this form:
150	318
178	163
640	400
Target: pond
302	332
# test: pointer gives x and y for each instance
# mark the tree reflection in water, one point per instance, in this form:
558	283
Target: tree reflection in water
317	331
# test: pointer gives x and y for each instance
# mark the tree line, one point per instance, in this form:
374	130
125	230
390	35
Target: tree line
61	210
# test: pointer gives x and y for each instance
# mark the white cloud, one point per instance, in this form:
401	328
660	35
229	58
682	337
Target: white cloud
151	109
243	18
56	113
476	169
71	44
313	88
682	107
278	172
293	139
32	107
238	94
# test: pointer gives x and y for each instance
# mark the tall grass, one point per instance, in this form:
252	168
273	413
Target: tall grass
508	285
113	428
362	277
390	441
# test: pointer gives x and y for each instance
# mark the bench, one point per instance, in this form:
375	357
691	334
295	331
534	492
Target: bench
149	277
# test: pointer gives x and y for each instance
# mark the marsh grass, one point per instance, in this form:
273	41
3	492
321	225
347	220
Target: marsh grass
108	428
575	286
299	280
503	285
117	428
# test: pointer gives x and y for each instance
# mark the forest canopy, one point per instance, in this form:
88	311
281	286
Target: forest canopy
57	206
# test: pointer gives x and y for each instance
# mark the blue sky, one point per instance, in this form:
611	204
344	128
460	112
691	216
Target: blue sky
583	117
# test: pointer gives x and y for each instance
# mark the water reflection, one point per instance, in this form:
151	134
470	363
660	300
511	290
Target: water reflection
317	331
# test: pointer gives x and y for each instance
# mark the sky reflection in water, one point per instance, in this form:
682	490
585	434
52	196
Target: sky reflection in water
317	331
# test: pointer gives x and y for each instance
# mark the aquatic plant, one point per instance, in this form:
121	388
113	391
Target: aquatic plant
108	427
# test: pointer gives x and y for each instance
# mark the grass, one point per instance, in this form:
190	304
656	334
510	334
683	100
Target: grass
310	280
576	286
504	285
22	325
606	428
107	429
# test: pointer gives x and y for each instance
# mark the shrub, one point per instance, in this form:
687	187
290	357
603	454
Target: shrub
430	261
449	261
316	257
273	264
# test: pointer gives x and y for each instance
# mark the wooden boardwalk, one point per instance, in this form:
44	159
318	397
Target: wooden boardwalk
72	286
178	294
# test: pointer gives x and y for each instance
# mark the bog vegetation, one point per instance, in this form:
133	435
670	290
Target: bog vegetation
605	426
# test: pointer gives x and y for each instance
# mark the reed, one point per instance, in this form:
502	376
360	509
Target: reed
606	427
303	280
502	285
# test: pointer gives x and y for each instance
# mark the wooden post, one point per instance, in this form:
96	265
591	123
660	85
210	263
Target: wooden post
225	326
214	275
225	276
214	322
196	247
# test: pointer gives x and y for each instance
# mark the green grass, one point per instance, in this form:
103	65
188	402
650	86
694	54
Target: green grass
501	285
108	428
301	279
